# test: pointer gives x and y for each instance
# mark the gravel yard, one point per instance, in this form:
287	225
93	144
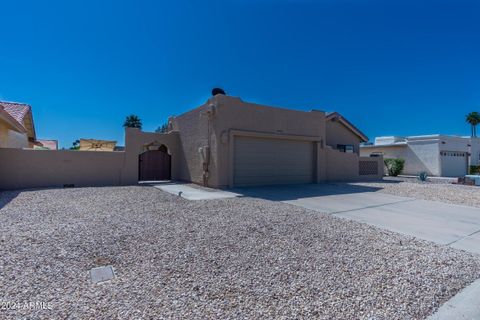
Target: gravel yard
443	192
230	258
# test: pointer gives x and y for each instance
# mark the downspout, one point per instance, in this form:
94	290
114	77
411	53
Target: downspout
206	150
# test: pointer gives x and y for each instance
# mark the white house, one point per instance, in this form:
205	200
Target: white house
438	155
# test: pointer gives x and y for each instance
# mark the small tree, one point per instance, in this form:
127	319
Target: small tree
163	128
394	166
75	145
132	121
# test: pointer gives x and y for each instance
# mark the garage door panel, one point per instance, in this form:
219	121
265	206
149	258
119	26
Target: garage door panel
453	163
266	171
266	158
260	161
271	180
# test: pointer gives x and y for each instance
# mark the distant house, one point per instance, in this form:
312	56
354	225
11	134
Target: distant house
438	155
44	144
16	125
97	145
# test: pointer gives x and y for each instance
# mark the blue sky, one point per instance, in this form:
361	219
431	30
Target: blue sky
391	67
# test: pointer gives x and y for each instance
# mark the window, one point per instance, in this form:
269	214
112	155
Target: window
376	154
348	148
453	154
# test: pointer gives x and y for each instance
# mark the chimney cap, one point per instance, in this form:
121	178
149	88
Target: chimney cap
216	91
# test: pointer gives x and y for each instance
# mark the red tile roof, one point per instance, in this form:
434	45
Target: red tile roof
18	111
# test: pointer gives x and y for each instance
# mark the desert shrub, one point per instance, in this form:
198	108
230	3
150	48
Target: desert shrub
394	166
422	176
474	170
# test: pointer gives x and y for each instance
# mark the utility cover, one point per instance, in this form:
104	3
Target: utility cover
102	274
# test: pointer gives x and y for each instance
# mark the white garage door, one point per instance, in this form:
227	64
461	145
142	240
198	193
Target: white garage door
259	161
454	164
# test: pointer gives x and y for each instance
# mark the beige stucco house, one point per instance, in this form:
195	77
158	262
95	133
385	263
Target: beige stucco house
225	142
16	125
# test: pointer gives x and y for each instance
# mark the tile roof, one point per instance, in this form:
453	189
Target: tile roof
18	111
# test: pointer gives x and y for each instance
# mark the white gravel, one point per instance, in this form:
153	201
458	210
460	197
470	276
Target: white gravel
443	192
219	259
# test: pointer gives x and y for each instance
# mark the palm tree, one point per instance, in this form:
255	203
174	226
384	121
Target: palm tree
132	121
473	118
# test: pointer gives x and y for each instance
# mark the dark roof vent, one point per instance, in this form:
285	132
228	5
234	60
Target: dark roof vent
216	91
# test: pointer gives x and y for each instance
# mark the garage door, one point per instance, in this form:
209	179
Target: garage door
259	161
454	164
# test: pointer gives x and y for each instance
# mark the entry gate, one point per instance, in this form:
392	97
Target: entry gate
154	165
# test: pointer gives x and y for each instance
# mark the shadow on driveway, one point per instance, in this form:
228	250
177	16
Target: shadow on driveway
7	196
293	192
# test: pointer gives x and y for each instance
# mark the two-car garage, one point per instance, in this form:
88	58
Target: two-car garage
268	161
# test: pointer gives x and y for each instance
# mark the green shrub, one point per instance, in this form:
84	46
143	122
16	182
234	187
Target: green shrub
474	170
394	166
422	176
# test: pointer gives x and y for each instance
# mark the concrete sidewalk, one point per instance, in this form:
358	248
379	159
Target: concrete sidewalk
446	224
194	193
463	306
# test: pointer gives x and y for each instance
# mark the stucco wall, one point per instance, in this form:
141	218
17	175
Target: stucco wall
21	168
341	166
454	144
423	156
419	156
475	151
194	132
337	134
54	168
10	138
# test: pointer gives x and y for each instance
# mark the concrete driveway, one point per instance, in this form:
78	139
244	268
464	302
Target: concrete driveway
446	224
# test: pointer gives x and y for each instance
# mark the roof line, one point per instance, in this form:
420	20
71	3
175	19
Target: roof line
348	124
11	120
14	102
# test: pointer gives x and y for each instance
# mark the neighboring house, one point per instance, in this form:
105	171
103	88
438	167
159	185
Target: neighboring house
438	155
43	144
97	145
228	142
343	135
16	125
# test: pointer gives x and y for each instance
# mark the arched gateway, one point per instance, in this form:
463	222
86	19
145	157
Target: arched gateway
155	164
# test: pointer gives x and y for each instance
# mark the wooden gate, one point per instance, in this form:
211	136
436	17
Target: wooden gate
154	165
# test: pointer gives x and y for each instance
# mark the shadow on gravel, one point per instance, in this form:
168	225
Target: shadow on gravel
292	192
7	196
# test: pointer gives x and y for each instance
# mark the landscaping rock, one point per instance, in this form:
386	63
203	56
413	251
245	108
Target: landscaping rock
218	259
